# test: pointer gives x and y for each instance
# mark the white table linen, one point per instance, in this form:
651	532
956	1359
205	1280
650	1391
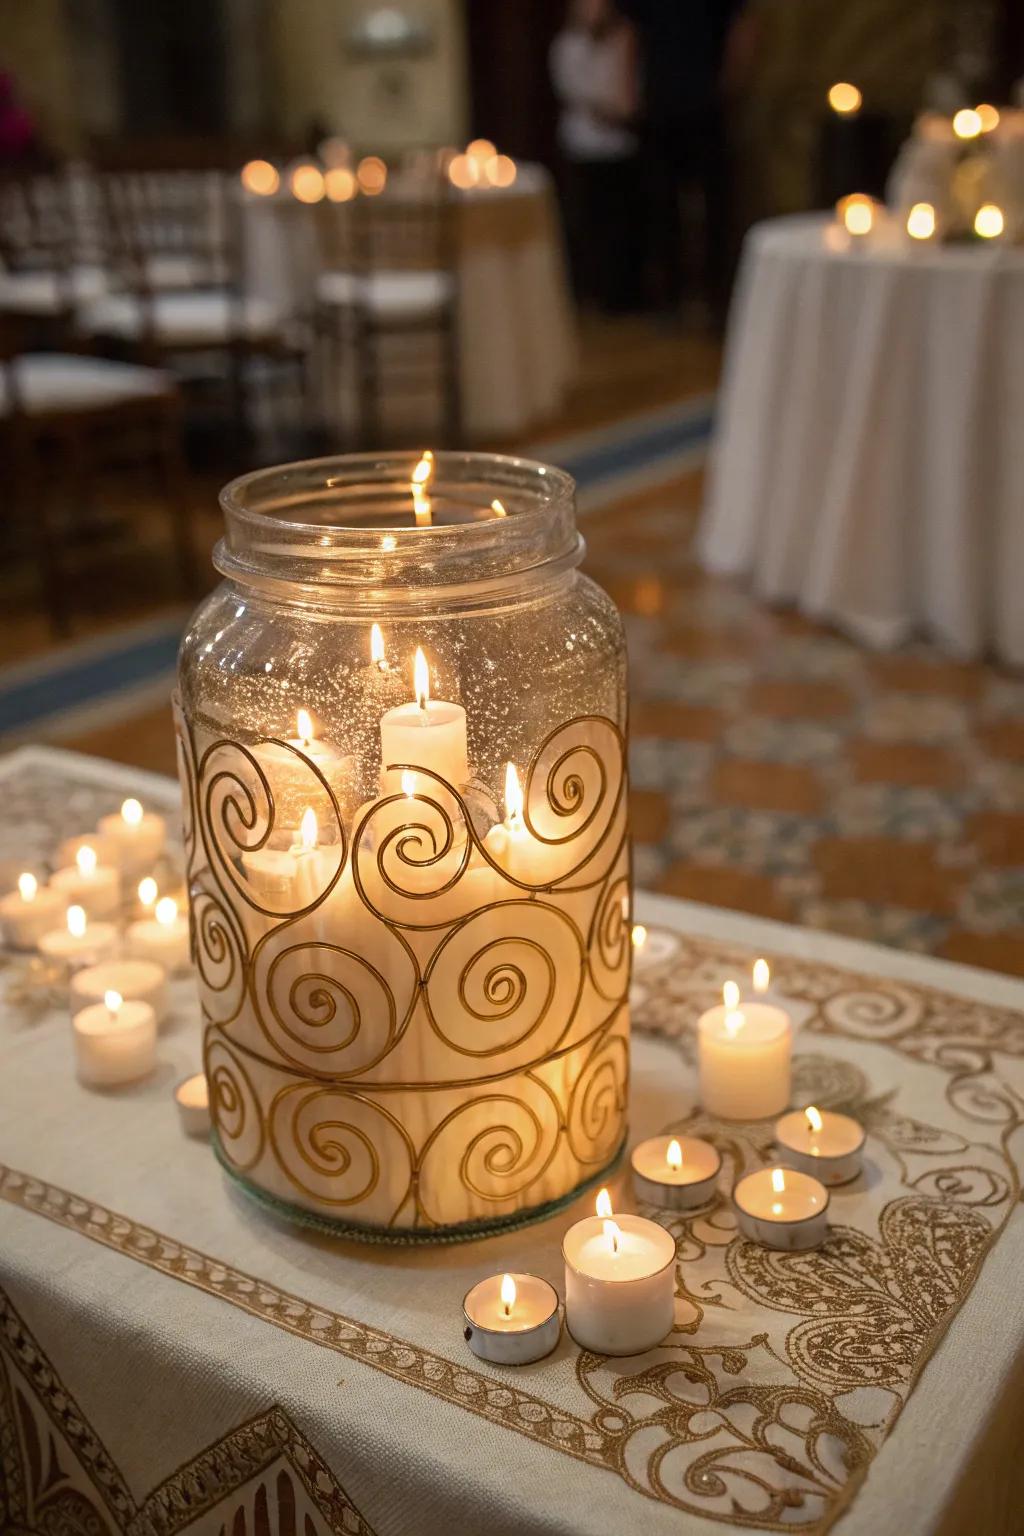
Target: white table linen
869	460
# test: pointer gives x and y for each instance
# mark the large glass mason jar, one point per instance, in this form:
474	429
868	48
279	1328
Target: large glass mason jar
402	748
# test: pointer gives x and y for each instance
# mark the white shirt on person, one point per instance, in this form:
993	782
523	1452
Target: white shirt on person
591	80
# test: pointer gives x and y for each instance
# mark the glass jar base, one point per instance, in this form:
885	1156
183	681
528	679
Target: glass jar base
463	1232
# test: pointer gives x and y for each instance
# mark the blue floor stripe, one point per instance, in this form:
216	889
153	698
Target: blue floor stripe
129	663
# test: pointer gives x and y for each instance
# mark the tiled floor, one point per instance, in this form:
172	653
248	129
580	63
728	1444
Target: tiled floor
781	769
777	767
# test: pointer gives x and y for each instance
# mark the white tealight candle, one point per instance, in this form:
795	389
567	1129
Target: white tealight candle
782	1208
115	1042
677	1173
29	912
511	1319
137	835
428	733
744	1058
137	981
89	884
192	1096
80	942
619	1282
822	1143
163	937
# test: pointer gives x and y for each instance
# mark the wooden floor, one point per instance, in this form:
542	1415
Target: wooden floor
777	768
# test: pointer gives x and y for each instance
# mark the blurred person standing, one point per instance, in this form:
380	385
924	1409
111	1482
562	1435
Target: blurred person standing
594	72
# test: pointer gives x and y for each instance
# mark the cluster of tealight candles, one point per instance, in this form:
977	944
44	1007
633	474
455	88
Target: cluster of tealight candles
620	1269
116	971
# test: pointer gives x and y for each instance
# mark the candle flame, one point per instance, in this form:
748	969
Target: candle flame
76	922
508	1294
513	799
674	1155
166	910
86	860
731	996
113	1001
988	221
304	726
612	1232
421	478
604	1203
308	829
762	975
421	680
148	891
639	935
813	1119
921	221
28	885
131	813
408	783
734	1022
967	123
377	647
778	1181
498	509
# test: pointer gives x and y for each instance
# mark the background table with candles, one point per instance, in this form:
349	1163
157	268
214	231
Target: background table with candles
868	466
881	1374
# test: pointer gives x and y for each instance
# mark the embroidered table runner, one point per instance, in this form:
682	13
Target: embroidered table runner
172	1357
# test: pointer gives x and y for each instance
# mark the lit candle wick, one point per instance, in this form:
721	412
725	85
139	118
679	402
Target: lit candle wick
307	831
612	1233
813	1119
513	800
508	1294
377	648
421	477
674	1155
421	684
304	727
762	976
113	1001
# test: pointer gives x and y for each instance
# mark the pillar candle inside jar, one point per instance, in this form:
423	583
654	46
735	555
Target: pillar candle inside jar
295	788
619	1282
29	912
744	1057
426	733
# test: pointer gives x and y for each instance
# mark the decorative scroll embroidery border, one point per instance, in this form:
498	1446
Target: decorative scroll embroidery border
959	1036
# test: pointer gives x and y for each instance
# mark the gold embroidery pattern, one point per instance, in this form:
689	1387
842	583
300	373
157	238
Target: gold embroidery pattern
58	1479
319	993
745	1414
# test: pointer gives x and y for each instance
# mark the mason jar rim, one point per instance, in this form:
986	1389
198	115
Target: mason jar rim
366	542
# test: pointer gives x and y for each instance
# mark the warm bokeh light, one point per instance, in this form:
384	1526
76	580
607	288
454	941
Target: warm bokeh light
603	1204
857	212
28	885
674	1155
261	178
166	910
508	1294
966	123
762	976
921	221
421	679
372	175
307	183
613	1233
113	1001
86	860
989	221
731	996
340	184
481	149
813	1119
76	922
639	935
500	171
304	726
844	98
513	797
989	116
148	891
464	173
131	813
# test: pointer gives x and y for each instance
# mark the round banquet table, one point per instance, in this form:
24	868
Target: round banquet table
516	333
869	459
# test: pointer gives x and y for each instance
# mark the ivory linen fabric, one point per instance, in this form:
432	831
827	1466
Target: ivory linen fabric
516	333
171	1358
869	462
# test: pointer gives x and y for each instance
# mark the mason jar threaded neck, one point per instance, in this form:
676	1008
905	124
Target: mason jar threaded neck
352	528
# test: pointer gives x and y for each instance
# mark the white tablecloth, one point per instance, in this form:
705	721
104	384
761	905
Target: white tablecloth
869	463
172	1358
516	333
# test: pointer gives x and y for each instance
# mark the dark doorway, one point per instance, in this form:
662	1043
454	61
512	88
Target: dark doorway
171	67
510	93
